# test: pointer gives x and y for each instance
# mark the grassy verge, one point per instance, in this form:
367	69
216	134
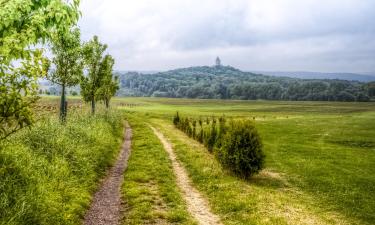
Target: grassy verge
149	189
268	198
48	173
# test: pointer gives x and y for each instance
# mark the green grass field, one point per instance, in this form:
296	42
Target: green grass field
320	164
320	159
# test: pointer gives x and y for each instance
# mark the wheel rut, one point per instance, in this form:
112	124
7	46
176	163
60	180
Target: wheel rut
196	203
106	207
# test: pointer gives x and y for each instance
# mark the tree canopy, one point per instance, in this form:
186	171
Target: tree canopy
225	82
68	62
110	84
24	24
93	55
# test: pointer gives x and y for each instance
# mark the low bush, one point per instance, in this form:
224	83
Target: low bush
49	172
236	143
241	149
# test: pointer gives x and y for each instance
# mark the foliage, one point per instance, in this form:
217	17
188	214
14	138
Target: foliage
48	173
110	84
241	149
18	91
225	82
236	143
66	47
90	84
25	23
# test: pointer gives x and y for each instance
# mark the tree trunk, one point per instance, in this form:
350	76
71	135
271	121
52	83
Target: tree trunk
106	103
63	108
93	106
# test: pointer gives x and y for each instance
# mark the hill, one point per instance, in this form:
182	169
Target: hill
225	82
318	75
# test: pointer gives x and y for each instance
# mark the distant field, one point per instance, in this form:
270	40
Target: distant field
320	159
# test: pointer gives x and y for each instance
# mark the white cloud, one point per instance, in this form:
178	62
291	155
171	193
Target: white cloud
330	35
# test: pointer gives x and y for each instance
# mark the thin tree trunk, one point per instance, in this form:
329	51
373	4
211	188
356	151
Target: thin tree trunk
93	106
63	108
107	103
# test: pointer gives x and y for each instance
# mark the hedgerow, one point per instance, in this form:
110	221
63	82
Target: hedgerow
236	143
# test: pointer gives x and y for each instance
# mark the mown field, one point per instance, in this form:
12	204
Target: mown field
320	159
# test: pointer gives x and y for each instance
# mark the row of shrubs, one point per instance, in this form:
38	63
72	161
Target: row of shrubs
236	143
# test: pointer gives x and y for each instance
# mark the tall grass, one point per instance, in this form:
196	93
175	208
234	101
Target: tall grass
49	172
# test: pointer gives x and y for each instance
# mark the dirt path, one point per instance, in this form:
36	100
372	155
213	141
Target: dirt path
197	205
105	208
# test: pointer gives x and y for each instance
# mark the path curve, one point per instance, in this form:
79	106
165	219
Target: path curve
197	205
105	208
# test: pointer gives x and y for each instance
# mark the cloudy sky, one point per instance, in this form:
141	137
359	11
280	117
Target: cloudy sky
273	35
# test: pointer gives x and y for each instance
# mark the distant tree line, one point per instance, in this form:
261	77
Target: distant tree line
225	82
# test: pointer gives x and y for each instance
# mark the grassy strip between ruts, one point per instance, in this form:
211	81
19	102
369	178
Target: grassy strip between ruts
49	173
267	198
150	192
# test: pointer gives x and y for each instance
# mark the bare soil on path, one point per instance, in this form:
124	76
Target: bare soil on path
196	203
105	208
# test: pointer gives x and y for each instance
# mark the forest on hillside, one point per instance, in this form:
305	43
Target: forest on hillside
226	82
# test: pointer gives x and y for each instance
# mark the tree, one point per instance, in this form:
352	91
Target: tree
18	91
90	84
68	62
23	25
110	84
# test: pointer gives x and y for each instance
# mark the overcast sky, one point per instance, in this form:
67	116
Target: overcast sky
273	35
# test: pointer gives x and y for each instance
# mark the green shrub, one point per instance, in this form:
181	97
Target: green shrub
241	149
236	143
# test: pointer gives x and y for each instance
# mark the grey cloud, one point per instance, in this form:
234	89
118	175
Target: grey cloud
330	35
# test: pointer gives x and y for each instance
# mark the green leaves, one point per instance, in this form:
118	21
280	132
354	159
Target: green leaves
110	84
68	60
18	92
99	83
25	23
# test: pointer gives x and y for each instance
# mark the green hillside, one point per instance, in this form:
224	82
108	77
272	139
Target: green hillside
225	82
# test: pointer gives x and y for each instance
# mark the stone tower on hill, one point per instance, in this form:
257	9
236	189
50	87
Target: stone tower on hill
218	61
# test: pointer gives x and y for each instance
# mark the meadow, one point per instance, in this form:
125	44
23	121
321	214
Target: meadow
319	165
319	159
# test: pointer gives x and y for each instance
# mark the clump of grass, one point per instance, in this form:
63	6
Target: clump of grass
49	172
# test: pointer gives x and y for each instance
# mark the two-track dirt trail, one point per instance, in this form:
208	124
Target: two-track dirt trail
197	205
105	208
